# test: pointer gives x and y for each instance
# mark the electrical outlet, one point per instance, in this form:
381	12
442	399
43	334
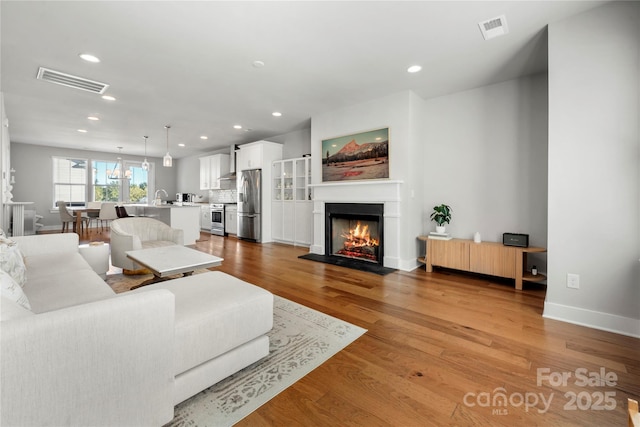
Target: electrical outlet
573	281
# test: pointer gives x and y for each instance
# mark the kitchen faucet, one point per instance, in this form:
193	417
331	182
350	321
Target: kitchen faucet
157	201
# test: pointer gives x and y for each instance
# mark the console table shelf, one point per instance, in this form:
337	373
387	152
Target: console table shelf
491	258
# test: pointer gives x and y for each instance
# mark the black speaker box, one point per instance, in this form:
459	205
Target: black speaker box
515	239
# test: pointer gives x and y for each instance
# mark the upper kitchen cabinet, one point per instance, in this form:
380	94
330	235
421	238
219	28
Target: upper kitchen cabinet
257	155
211	169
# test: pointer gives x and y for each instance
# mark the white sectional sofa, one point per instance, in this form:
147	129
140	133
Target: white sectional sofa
83	355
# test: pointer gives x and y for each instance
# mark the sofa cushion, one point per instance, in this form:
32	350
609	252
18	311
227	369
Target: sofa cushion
12	291
54	264
11	261
55	291
215	312
12	310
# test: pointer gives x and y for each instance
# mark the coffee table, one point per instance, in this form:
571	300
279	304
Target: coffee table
170	260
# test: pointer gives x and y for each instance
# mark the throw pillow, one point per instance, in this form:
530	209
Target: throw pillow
11	290
11	261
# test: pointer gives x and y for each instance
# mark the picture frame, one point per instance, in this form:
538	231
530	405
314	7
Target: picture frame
358	156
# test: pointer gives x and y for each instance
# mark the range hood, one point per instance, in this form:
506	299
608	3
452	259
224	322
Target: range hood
231	176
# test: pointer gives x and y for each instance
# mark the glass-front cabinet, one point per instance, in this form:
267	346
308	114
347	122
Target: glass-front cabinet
291	201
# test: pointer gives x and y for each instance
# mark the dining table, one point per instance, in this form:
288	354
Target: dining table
78	211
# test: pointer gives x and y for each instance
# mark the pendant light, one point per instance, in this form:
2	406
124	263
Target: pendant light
167	160
118	167
145	164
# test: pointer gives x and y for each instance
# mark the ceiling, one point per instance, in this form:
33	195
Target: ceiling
190	64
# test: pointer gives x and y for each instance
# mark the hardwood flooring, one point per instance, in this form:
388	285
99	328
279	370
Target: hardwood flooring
442	348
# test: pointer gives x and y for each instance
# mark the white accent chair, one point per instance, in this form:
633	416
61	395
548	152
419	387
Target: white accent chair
134	233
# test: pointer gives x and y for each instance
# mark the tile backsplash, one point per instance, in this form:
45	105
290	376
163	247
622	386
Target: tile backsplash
223	196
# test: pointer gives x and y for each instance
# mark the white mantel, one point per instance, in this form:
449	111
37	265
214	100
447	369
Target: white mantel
386	192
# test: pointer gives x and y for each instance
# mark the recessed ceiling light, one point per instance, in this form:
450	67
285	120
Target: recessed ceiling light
108	97
204	137
258	64
414	69
89	58
237	127
181	145
82	130
276	114
248	130
94	118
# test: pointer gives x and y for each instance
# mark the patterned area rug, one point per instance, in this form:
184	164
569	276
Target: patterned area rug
300	341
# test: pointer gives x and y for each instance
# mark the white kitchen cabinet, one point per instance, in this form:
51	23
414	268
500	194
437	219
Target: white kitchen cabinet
256	155
231	219
211	169
291	203
205	217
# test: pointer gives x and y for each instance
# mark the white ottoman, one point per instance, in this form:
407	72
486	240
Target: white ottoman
97	255
221	324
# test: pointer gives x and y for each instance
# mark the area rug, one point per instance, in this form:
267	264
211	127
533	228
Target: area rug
300	341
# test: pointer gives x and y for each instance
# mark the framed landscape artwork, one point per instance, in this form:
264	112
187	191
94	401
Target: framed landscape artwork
362	155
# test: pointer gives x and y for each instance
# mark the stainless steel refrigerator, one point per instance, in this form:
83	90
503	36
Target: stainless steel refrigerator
250	205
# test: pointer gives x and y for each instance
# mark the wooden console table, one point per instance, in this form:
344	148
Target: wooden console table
491	258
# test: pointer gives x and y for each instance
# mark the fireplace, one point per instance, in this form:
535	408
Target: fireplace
354	232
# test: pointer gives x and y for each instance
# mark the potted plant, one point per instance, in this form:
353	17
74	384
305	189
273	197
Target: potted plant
441	215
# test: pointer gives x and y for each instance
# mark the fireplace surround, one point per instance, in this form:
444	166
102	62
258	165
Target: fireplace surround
384	192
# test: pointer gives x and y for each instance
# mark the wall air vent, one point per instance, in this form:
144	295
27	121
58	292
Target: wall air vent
64	79
494	27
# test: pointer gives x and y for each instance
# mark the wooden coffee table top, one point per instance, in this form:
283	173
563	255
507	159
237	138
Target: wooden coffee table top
174	259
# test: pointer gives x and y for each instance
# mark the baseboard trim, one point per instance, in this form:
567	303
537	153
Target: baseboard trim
592	319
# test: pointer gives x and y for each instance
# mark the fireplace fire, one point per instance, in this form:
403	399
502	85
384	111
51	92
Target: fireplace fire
358	242
355	232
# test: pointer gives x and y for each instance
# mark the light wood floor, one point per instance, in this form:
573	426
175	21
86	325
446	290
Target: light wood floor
441	349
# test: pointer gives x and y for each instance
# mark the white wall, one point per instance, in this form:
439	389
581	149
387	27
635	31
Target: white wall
594	168
5	164
294	144
486	157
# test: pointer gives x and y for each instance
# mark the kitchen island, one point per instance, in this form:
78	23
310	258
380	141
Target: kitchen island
184	217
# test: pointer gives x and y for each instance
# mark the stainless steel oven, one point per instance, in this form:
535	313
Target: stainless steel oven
217	219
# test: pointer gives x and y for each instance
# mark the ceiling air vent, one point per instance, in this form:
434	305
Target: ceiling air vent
494	27
64	79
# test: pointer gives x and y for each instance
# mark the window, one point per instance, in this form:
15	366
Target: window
138	183
111	184
69	181
105	189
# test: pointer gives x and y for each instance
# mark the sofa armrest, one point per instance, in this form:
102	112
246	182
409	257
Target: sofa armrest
108	362
47	243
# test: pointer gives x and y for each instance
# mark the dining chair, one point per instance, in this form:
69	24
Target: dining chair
93	215
107	213
66	217
121	211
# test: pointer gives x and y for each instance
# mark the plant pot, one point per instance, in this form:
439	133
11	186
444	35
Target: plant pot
440	228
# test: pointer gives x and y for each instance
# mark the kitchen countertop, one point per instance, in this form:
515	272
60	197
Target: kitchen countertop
142	205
